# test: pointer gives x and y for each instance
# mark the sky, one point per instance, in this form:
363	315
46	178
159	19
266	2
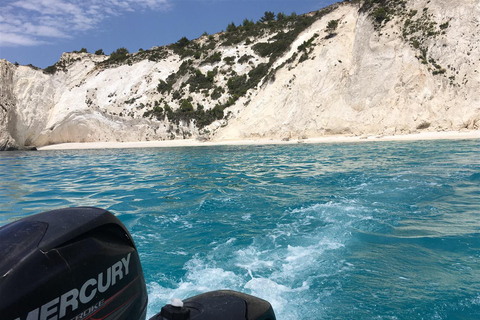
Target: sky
38	31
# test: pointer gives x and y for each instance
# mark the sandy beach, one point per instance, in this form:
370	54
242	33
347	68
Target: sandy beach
452	135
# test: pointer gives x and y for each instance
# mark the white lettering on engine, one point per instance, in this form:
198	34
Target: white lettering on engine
56	309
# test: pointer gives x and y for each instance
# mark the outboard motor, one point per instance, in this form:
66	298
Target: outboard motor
82	264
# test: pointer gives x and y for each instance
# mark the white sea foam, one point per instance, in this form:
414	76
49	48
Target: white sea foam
279	266
252	260
198	279
246	217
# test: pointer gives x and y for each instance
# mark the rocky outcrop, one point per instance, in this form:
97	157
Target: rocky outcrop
7	104
372	75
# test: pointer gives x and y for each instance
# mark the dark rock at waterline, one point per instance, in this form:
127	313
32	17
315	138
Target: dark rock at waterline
8	145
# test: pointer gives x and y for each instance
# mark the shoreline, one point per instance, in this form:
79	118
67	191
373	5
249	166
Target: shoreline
450	135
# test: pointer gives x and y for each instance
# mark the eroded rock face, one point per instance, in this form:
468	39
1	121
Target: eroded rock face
6	142
7	103
360	81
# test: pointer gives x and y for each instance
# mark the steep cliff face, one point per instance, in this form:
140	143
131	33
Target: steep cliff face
7	104
414	66
367	81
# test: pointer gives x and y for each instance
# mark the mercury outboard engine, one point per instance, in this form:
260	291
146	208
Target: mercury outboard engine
82	264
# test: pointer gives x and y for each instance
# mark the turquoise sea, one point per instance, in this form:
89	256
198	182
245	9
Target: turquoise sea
377	230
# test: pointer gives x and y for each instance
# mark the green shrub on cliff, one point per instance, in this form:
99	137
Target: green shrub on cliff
237	85
380	14
215	57
50	70
199	81
118	56
268	16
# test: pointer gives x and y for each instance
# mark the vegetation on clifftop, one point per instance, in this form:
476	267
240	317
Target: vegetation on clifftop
280	30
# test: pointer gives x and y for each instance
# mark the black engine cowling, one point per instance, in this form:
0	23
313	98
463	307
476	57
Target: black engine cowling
78	263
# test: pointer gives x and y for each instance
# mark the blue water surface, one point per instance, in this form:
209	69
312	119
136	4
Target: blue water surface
379	230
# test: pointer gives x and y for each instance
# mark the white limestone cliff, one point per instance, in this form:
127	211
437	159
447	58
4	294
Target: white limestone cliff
362	81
